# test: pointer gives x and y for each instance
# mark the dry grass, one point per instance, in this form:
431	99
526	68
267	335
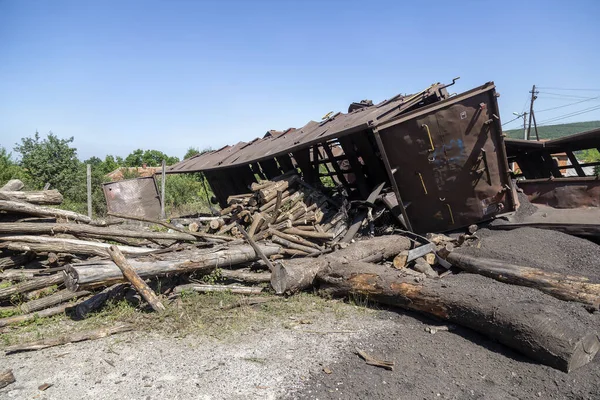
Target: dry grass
214	315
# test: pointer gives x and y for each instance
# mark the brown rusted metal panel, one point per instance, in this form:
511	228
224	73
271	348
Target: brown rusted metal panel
449	161
563	192
137	197
312	133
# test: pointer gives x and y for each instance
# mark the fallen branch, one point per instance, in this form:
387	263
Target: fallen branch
72	338
138	283
196	287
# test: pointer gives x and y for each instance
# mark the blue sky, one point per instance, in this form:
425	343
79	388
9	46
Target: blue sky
167	75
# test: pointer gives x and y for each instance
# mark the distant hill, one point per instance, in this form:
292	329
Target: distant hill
555	131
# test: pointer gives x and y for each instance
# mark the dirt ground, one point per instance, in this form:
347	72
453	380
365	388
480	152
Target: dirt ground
305	350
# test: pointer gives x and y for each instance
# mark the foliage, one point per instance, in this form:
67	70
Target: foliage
592	155
153	158
9	169
556	131
186	194
192	151
51	160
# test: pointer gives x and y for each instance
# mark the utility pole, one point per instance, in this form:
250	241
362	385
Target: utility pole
524	116
533	97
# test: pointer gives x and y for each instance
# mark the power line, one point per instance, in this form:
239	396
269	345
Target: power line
565	95
586	110
583	90
519	117
570	104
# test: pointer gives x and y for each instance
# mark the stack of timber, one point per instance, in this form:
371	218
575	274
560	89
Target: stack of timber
286	211
54	261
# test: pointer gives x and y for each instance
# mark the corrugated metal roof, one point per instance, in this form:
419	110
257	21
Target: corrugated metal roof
313	132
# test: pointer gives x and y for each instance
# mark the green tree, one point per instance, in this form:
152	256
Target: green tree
9	169
152	158
590	156
51	160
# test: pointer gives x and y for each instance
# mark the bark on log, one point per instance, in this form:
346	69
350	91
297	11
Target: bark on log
41	211
6	377
48	312
32	284
255	247
295	239
72	338
292	276
96	231
293	245
74	246
555	333
246	276
138	283
194	287
12	185
564	287
42	197
206	236
52	300
95	302
103	273
309	234
15	260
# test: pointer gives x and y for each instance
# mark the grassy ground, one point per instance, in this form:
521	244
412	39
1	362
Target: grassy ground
217	315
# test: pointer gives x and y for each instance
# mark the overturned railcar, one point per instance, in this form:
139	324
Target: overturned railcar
439	158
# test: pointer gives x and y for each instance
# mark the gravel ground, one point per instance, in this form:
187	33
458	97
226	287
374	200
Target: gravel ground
297	359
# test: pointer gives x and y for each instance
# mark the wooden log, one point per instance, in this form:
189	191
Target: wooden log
421	265
270	192
12	185
206	236
114	292
306	245
257	220
246	275
564	287
6	377
285	196
96	231
32	284
216	223
292	276
42	211
103	273
309	234
48	312
74	246
52	300
294	252
550	331
15	260
138	283
277	209
72	338
236	289
256	248
20	274
43	197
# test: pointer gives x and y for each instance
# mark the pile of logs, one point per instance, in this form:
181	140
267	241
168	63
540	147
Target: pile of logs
286	211
284	237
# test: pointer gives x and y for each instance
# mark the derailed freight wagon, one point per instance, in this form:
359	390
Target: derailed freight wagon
437	160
